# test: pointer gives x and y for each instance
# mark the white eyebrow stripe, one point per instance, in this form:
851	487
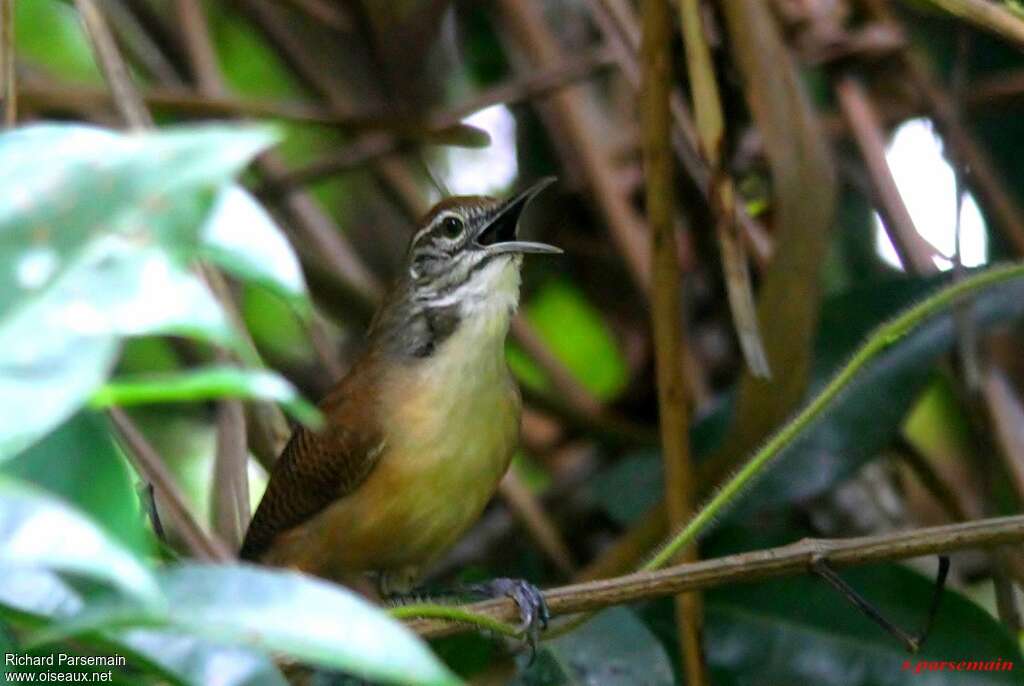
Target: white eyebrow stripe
433	225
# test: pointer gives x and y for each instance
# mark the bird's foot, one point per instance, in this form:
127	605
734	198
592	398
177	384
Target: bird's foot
533	610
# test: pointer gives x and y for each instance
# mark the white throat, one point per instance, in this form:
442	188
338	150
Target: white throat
486	303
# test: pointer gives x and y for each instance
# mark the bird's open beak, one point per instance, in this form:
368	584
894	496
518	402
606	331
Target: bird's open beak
499	234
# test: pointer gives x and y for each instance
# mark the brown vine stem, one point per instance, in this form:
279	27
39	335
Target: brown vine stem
10	91
666	308
722	199
787	560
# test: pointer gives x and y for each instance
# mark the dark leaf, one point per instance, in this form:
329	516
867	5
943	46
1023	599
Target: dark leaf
76	275
38	531
283	612
613	649
81	463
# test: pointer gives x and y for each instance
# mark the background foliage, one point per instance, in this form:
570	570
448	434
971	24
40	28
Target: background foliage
171	298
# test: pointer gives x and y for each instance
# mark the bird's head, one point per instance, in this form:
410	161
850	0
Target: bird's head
467	253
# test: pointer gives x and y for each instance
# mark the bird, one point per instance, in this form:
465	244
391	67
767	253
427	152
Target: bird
422	428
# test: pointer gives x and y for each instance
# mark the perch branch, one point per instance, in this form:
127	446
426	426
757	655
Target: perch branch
795	558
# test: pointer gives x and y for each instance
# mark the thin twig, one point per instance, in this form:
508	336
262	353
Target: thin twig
911	642
1007	415
621	28
319	230
527	509
372	147
152	468
311	220
1004	88
536	84
575	393
987	15
185	102
230	486
139	47
915	252
324	12
126	97
10	87
788	560
939	488
886	335
199	47
533	36
608	427
324	347
979	172
707	106
643	536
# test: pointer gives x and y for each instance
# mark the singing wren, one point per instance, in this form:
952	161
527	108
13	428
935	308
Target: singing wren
422	428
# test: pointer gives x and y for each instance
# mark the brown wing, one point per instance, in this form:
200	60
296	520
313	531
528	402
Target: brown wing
317	468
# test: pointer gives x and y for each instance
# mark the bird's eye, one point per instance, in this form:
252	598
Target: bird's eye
452	227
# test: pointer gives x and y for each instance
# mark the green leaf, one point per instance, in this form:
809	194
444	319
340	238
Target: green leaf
179	658
199	662
305	618
801	631
32	596
862	421
81	463
156	188
613	649
630	486
871	411
279	333
206	384
38	394
77	274
38	531
241	237
61	344
48	33
7	646
578	336
279	611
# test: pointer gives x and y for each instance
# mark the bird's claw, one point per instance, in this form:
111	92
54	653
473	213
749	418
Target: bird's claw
533	610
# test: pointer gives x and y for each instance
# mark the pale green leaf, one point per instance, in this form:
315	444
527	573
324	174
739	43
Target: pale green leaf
172	656
97	233
38	531
241	237
206	384
283	612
